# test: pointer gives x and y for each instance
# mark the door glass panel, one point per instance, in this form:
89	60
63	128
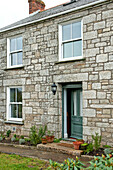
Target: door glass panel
68	50
75	103
81	114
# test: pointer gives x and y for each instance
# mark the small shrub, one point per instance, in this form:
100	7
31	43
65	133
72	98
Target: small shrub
35	137
15	135
21	141
27	139
13	139
108	151
22	137
104	163
1	138
106	146
8	133
67	164
96	141
57	140
89	148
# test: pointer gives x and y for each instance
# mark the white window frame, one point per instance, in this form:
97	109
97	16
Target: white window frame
9	53
71	40
8	105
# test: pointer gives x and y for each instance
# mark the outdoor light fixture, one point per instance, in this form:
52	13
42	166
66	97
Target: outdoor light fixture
54	88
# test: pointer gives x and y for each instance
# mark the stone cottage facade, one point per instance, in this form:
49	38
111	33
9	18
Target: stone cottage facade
71	45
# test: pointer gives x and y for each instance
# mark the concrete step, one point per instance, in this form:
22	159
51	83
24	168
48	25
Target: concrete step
58	147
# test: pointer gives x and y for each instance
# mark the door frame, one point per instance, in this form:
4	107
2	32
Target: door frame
67	86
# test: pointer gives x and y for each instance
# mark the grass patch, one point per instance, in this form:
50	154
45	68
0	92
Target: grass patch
16	162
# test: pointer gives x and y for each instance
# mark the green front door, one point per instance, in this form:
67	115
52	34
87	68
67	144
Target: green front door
72	111
76	113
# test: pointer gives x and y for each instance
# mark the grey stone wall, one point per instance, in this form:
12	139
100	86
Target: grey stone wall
41	69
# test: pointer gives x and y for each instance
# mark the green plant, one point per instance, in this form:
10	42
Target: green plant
106	146
27	139
36	137
104	163
8	133
57	140
22	137
21	141
42	132
1	138
15	135
33	135
49	133
108	151
96	141
68	164
13	139
89	148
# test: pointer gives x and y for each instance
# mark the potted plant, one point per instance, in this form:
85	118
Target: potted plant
83	146
44	140
50	137
77	144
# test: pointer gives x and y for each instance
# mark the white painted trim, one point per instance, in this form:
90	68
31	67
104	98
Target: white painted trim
8	114
61	42
11	52
55	15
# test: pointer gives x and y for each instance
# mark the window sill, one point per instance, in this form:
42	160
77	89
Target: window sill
74	60
13	68
14	122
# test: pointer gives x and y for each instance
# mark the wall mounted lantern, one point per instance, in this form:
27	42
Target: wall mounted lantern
54	88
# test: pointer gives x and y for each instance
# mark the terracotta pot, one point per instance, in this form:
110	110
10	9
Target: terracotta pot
77	145
50	139
44	140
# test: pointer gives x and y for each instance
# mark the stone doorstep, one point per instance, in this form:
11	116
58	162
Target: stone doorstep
57	148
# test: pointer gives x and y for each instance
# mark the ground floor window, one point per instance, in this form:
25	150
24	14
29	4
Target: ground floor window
14	107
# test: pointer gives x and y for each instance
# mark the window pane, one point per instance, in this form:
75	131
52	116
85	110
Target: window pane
12	95
77	48
66	32
14	111
13	59
13	44
76	30
19	58
19	94
19	111
75	103
68	50
19	43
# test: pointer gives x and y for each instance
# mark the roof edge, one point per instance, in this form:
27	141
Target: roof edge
55	15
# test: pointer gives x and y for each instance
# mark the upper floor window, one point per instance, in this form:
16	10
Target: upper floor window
71	41
15	52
